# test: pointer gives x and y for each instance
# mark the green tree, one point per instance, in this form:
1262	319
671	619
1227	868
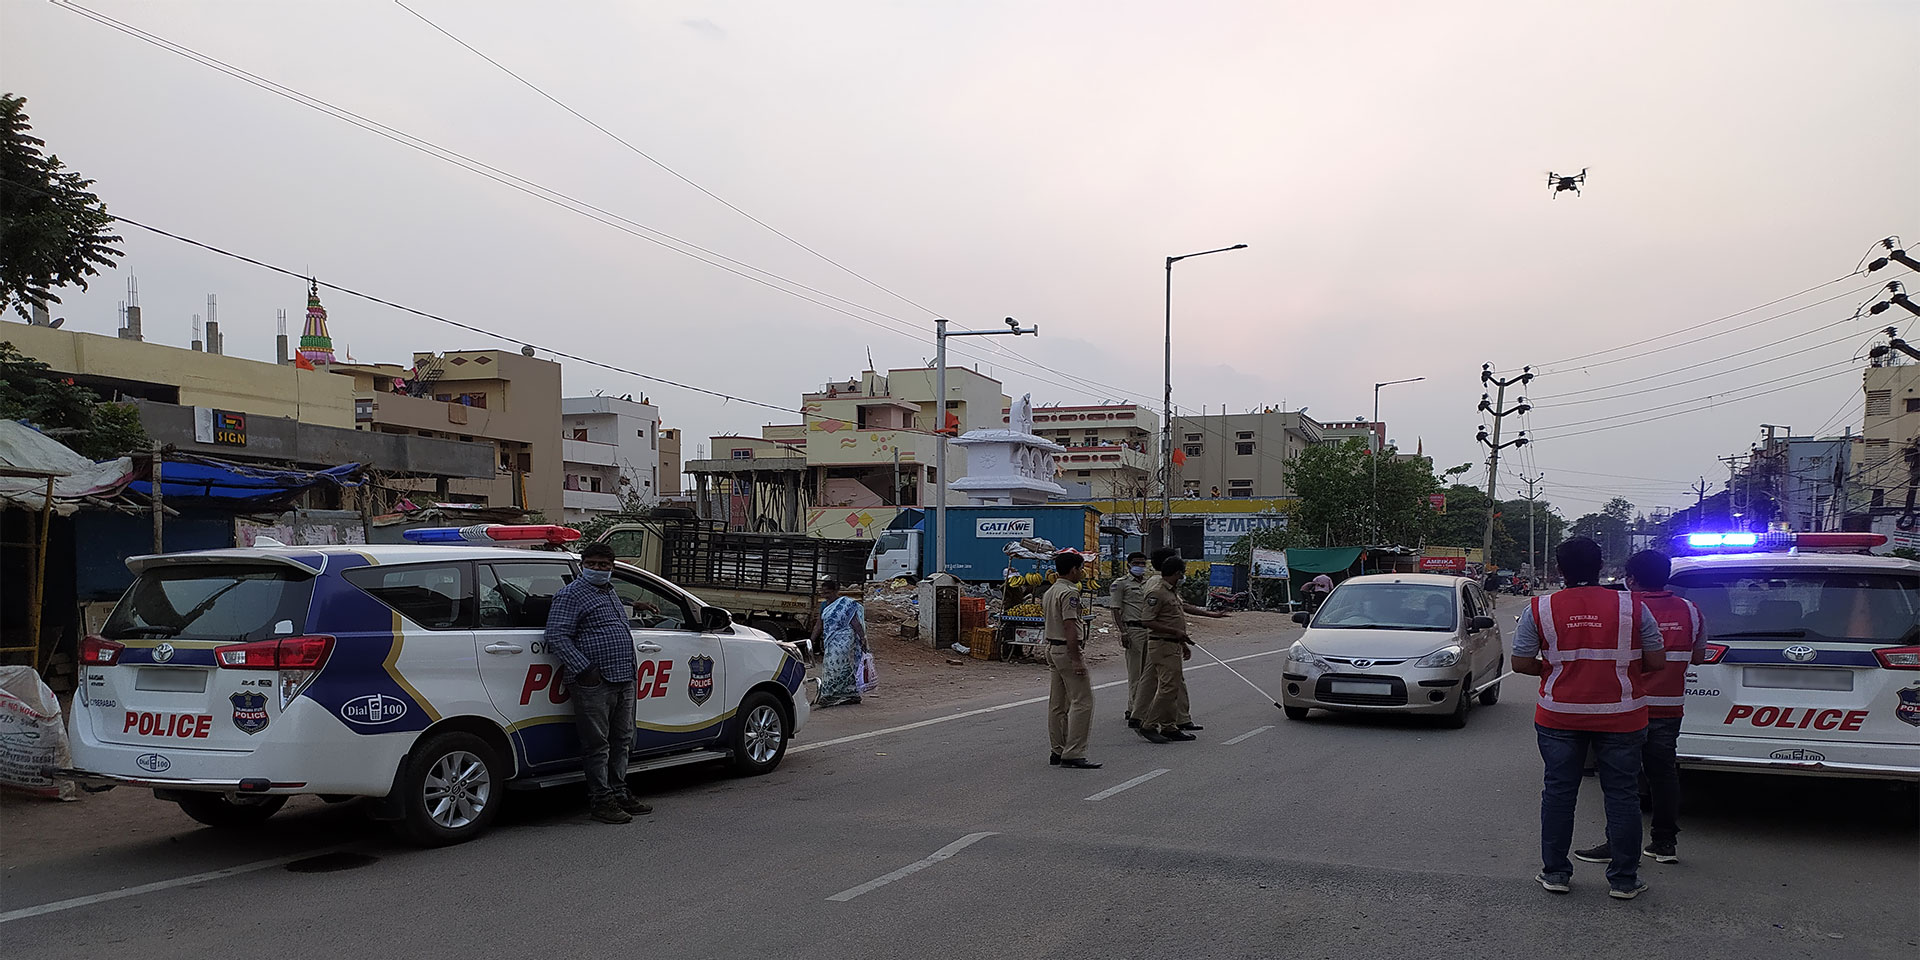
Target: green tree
1611	527
1334	487
53	230
30	391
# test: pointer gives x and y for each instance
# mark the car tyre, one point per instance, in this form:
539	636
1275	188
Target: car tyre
1463	704
227	811
760	738
1490	695
1294	713
451	789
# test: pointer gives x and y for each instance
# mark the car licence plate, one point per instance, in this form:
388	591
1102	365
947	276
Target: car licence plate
1796	678
170	680
1361	688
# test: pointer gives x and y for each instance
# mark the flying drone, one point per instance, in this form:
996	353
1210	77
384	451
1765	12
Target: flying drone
1561	183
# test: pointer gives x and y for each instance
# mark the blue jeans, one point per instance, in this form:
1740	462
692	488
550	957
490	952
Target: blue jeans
1562	752
603	716
1663	777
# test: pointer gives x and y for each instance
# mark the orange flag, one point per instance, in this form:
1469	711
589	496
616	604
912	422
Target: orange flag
302	362
1179	458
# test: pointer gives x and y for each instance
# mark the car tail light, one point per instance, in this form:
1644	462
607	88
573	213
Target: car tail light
98	651
1899	658
1712	652
287	653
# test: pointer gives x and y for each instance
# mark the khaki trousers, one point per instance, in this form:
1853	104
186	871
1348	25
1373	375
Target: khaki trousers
1136	664
1162	685
1140	694
1069	706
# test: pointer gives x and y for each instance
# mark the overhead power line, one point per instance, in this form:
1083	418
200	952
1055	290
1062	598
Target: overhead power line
1707	323
1704	363
1682	413
769	279
1721	333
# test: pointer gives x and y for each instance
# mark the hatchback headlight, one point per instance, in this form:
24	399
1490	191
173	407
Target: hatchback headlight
1443	657
1298	653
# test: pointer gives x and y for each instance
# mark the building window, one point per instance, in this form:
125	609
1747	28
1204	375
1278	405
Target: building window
1879	497
1192	449
1240	489
743	454
1193	488
1191	437
579	433
1243	448
1879	403
1244	435
593	484
1913	404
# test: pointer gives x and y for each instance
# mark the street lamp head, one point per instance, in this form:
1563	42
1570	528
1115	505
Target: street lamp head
1238	246
1011	322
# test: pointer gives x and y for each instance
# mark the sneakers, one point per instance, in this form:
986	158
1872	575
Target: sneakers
1661	853
608	811
1598	854
1554	883
1638	888
630	804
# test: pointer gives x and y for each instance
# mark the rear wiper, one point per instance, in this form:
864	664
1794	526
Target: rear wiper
1794	632
150	631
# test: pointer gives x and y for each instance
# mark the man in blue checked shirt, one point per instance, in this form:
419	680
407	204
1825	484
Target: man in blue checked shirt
588	630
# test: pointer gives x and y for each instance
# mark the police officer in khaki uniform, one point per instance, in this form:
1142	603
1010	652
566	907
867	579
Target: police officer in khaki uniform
1167	651
1070	698
1127	597
1182	718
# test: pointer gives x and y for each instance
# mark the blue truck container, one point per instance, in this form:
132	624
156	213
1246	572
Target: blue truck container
976	537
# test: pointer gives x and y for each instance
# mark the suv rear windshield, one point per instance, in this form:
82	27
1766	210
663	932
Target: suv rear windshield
1860	606
213	602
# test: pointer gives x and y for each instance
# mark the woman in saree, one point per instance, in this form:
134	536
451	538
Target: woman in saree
840	633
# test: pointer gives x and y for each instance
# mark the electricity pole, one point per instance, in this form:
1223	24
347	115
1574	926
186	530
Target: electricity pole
1532	561
1494	445
1700	508
940	335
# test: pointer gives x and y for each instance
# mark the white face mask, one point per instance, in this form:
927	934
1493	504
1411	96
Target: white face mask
1137	571
598	578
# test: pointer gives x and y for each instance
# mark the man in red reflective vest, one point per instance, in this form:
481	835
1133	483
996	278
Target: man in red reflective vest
1684	633
1592	649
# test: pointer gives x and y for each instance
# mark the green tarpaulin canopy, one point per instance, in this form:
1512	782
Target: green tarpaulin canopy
1322	559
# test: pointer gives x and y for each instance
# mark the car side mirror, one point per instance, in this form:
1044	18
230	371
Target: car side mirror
1302	617
714	619
1483	623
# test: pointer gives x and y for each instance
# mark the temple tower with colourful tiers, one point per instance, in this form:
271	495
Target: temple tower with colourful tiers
315	345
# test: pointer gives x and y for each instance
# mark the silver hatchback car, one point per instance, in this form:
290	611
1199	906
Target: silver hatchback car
1397	643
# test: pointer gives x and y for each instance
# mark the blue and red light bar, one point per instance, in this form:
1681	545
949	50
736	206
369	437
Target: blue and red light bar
1745	541
516	534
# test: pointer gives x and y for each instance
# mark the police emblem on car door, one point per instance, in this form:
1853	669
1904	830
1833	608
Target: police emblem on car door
249	711
700	678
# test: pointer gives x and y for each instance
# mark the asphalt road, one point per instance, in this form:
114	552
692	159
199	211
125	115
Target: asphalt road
1336	837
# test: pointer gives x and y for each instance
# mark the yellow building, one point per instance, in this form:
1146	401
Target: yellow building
191	378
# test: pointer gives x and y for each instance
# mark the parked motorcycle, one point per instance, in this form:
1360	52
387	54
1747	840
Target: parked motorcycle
1221	598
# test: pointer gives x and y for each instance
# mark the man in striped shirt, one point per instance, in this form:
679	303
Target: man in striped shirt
588	630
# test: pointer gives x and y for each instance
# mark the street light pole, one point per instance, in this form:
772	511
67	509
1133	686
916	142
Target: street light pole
1383	449
1166	423
940	335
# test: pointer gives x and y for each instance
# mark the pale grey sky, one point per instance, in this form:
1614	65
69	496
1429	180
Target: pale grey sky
1385	162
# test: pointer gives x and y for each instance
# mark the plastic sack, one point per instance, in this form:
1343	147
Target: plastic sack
866	677
32	736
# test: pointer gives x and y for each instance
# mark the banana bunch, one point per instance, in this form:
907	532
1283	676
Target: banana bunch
1026	610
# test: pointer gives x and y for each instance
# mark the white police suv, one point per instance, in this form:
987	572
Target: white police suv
1812	660
227	680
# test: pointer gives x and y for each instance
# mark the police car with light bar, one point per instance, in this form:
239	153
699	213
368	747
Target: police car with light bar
1812	655
228	680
